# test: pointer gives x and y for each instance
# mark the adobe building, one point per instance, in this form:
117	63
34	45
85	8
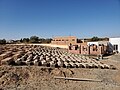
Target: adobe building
66	40
88	49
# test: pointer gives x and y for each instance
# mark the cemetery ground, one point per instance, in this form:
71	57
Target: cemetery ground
35	68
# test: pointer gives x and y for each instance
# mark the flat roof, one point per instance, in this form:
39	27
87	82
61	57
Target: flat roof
65	37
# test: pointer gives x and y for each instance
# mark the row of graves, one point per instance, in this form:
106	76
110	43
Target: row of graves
28	55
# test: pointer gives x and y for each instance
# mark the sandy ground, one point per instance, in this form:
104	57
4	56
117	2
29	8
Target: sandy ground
41	78
49	45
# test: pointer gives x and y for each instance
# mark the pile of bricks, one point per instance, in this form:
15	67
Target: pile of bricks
46	56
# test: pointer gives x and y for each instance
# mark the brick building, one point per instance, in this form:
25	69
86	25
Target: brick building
92	49
87	48
67	40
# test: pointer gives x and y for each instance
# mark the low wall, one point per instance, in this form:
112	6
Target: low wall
50	45
54	45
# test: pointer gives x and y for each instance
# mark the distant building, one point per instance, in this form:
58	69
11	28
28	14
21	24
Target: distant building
66	40
10	41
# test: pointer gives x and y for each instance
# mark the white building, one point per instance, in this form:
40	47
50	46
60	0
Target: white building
115	42
98	43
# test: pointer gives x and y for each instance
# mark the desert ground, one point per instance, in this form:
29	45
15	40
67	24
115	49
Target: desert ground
36	77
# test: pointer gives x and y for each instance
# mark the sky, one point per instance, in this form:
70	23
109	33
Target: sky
50	18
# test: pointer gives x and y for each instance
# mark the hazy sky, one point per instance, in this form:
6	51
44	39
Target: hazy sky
48	18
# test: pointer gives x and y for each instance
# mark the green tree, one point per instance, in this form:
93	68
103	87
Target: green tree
42	40
34	39
21	40
25	40
2	41
94	38
48	40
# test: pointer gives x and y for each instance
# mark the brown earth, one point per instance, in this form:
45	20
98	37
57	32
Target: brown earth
41	78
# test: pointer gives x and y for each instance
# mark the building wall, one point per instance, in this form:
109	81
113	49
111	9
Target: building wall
64	40
98	43
93	49
91	43
115	41
98	50
84	49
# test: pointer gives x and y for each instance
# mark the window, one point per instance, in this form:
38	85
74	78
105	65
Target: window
94	48
73	39
84	48
115	47
76	47
70	48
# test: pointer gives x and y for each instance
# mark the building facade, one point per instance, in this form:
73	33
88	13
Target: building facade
98	43
89	49
67	40
114	44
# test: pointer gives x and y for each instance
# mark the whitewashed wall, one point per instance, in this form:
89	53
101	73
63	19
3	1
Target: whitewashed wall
115	41
90	43
98	42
